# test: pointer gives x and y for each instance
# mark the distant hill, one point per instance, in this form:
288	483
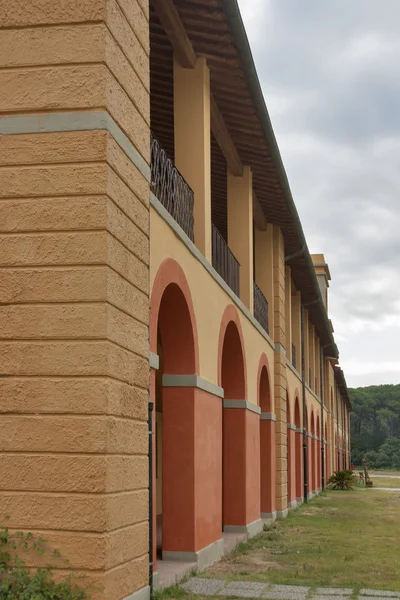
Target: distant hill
375	426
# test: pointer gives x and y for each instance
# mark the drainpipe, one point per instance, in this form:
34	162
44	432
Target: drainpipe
321	372
303	382
151	433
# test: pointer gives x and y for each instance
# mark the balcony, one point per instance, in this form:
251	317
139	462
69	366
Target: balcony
170	188
224	261
294	362
260	308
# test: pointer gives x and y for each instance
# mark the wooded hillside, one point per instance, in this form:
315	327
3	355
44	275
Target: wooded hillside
375	426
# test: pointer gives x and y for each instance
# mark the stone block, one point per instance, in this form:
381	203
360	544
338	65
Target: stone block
244	589
204	587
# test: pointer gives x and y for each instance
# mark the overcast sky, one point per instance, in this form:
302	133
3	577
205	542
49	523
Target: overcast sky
330	72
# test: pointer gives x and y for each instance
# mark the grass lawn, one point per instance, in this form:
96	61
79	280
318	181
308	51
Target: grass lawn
381	472
340	539
385	482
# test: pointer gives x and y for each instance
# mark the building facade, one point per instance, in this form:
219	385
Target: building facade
169	377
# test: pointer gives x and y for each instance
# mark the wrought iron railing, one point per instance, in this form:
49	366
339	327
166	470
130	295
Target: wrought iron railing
170	188
260	307
294	362
224	261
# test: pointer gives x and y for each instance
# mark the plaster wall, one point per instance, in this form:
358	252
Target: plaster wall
209	301
74	271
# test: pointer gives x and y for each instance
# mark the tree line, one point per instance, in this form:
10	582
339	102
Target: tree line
375	426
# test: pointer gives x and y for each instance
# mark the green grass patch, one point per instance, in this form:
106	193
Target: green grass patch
340	539
386	482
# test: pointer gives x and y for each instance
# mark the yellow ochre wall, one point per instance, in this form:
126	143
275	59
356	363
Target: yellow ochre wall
74	280
209	302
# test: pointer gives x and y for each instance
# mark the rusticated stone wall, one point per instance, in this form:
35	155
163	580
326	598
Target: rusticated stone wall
74	272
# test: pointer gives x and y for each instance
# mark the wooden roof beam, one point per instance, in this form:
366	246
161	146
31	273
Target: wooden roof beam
171	21
258	214
224	140
186	56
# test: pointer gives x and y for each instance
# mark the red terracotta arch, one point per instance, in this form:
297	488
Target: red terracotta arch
264	385
267	440
171	288
240	429
232	370
173	336
297	416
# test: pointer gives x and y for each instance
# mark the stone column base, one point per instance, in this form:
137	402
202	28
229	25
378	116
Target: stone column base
269	516
203	558
251	529
282	514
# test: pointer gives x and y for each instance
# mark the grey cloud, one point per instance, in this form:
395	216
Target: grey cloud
331	78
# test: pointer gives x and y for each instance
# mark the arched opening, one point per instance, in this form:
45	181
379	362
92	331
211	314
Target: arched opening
299	451
318	457
313	453
233	374
267	442
240	448
178	511
173	410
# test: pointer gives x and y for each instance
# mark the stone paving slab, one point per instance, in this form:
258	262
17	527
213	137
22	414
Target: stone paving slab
329	597
381	593
334	591
292	589
252	589
205	587
245	589
284	595
375	597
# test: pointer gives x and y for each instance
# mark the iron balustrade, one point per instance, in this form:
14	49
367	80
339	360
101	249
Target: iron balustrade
171	189
294	356
260	308
224	261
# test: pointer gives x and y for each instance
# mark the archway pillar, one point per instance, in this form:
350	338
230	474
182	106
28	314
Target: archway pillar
310	465
291	439
299	465
319	463
240	230
192	469
268	465
192	128
241	456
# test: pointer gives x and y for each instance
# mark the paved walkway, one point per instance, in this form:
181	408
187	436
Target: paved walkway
252	589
